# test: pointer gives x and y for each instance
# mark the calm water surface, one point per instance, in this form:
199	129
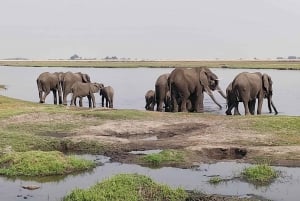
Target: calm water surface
53	189
131	85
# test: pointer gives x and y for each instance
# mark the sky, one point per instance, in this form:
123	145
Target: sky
144	29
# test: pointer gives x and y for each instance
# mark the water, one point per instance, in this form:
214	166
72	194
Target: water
284	188
131	85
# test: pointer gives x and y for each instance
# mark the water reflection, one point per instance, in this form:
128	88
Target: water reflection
284	188
131	85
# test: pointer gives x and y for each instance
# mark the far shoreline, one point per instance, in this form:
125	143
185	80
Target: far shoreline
285	64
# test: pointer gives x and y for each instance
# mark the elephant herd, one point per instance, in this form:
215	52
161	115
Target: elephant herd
79	84
183	89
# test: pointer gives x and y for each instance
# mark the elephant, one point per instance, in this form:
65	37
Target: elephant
247	87
69	79
189	84
150	100
162	94
47	82
107	94
81	89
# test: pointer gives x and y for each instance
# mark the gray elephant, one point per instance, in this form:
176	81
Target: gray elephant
107	94
190	84
162	94
247	87
69	79
80	90
47	82
150	100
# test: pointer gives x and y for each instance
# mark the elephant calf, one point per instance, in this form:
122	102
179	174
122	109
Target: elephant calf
150	100
80	89
107	93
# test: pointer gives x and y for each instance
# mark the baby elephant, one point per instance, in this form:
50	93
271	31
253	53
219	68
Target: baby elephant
107	93
150	100
80	90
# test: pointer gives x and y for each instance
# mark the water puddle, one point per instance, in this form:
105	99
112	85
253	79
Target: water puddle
54	188
146	152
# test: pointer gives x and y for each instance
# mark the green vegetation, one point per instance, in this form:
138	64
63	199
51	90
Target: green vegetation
285	128
262	64
127	187
38	163
260	174
164	157
215	180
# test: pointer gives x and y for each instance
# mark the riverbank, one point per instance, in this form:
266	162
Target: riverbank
247	64
198	138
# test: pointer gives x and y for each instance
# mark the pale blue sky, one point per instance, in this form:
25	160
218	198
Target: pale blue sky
156	29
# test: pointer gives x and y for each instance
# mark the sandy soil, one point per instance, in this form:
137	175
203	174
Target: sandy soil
207	138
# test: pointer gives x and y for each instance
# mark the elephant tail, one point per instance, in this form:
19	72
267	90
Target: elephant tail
39	84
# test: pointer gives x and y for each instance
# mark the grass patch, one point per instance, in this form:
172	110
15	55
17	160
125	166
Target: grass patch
261	174
39	163
127	187
285	128
165	157
215	180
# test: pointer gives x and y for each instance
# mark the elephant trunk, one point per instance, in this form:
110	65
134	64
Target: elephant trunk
221	92
271	103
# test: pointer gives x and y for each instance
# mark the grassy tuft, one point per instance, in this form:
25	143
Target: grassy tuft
215	180
261	174
164	157
127	187
39	163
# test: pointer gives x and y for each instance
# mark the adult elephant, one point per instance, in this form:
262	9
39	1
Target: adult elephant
189	84
162	94
80	90
107	94
150	100
69	79
247	87
47	82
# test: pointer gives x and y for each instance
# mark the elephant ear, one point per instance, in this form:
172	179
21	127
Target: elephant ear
85	78
203	78
267	82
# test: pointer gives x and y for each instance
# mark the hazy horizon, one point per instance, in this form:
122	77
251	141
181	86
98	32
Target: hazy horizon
139	29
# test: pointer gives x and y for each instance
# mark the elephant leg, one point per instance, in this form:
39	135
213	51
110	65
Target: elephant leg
106	102
111	105
246	107
45	95
59	95
54	96
41	96
198	103
259	106
102	101
93	100
90	101
73	100
80	101
252	106
236	109
230	107
65	95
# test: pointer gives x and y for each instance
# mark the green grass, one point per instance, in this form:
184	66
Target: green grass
127	187
39	163
260	174
165	157
215	180
284	128
257	64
